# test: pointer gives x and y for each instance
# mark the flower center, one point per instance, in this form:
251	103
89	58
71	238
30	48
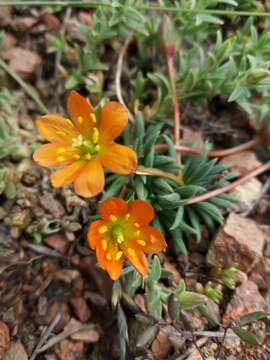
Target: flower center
85	147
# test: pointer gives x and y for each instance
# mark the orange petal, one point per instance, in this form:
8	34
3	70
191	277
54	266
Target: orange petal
137	258
119	159
113	119
112	206
141	211
79	110
47	155
113	266
153	239
93	235
55	128
100	253
67	174
90	182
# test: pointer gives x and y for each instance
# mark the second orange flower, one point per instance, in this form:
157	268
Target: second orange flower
82	145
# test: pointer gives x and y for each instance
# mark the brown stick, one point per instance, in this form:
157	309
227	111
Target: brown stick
259	170
176	109
213	153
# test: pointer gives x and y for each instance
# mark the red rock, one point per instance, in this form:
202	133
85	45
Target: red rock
53	205
24	62
4	336
81	309
50	21
24	23
246	299
239	242
71	350
57	241
161	346
242	163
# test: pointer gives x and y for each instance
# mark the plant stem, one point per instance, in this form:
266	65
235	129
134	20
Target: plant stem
261	169
27	88
141	170
213	153
148	7
176	109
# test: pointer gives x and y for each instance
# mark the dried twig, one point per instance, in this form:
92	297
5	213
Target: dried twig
118	74
45	335
213	153
176	108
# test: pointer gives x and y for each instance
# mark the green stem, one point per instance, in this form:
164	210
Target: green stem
141	170
27	88
149	7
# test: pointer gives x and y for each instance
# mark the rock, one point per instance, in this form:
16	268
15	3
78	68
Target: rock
4	336
8	42
53	205
70	350
24	62
57	241
89	334
81	309
16	352
85	18
239	242
242	163
176	277
50	21
246	299
25	23
161	346
246	194
52	310
261	274
191	137
6	14
67	275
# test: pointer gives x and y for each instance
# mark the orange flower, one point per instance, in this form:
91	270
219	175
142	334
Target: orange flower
83	145
124	231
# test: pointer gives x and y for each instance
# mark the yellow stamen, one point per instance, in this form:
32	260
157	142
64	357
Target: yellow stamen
141	242
69	122
113	218
108	256
136	225
88	156
120	238
60	158
95	136
137	233
118	255
131	252
76	156
103	229
61	150
61	133
93	117
104	244
80	119
77	141
98	147
127	216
